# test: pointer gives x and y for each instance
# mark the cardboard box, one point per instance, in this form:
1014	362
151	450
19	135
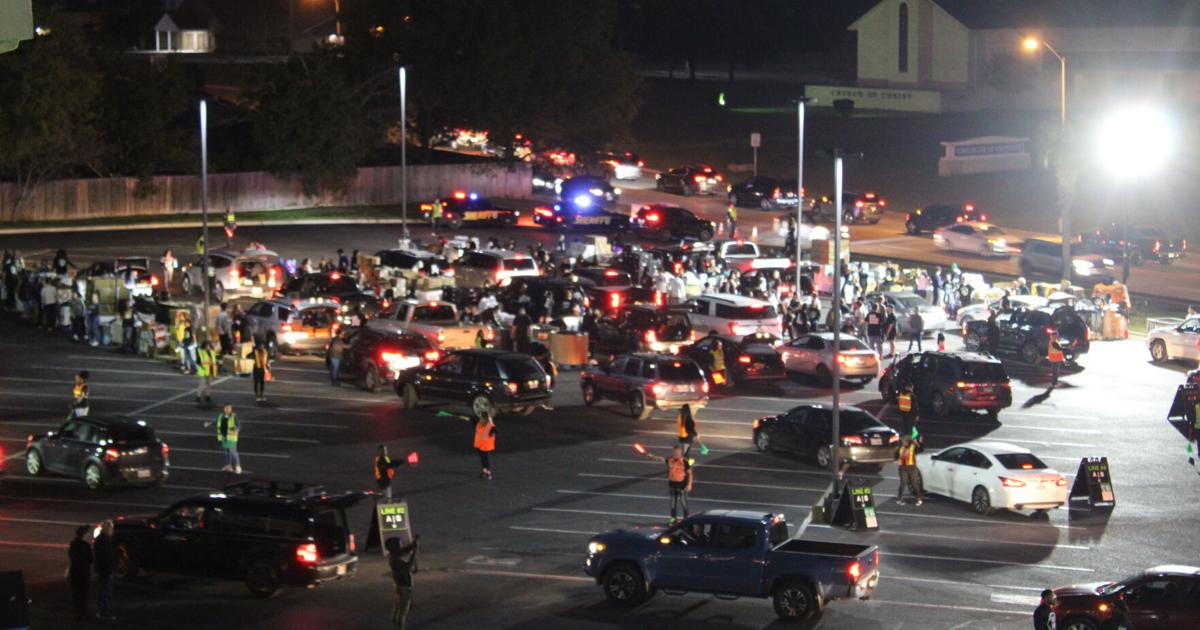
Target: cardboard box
232	365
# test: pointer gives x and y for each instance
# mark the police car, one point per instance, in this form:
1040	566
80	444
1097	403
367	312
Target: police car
463	208
663	222
583	214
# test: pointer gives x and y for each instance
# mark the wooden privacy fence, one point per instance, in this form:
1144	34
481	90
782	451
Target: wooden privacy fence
70	199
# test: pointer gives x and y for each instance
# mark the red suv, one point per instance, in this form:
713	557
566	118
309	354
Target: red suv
1165	597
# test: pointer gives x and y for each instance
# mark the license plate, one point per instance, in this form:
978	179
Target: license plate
341	569
987	390
532	384
758	366
681	388
143	473
876	441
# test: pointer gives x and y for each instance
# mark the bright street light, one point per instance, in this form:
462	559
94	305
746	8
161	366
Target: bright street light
1031	43
1135	141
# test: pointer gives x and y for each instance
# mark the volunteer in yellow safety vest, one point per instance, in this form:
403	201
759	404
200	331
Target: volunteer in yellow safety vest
1194	437
907	459
206	371
435	215
718	360
679	479
227	436
906	405
385	469
80	395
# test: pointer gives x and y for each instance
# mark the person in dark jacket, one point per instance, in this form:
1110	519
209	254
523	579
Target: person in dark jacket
105	555
402	576
79	572
1043	615
993	333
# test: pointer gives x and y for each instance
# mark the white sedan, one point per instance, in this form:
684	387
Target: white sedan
973	237
992	475
813	355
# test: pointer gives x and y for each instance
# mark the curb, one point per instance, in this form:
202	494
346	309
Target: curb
197	224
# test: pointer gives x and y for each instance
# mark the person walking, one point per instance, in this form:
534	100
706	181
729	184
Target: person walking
385	470
402	576
875	329
679	480
889	329
1054	354
79	571
731	216
105	555
225	330
262	365
686	429
228	430
916	328
485	443
907	459
80	395
1043	615
206	371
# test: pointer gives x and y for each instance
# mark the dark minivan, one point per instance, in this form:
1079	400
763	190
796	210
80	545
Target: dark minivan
100	451
268	534
485	380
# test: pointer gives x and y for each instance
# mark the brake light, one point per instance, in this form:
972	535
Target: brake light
908	216
1049	330
641	163
757	423
841	359
489	334
651	337
307	553
858	204
745	358
893	439
441	337
614	300
1087	333
847	440
699	179
1157	246
704	388
543	211
659	389
611	273
658	298
389	358
1027	466
983	217
166	450
678	268
969	208
353	546
653	217
718	177
775	194
1009	482
153	281
111	455
335	276
432	356
881	203
235	274
1061	481
1183	244
274	271
459	194
287	328
28	441
855	571
512	388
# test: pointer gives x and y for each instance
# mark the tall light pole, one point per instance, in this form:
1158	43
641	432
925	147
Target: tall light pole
799	187
1032	44
205	266
404	149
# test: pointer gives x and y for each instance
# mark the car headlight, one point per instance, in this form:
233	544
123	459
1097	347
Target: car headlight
1082	264
595	547
596	192
616	191
1109	262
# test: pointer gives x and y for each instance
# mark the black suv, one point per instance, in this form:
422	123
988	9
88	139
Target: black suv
371	357
486	381
646	382
642	327
764	192
265	533
947	382
930	218
1142	242
100	451
1025	332
662	222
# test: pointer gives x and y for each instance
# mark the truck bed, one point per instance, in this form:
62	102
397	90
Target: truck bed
812	547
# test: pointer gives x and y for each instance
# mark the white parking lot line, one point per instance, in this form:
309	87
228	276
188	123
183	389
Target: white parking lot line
54	425
692	498
818	473
971	520
906	578
551	530
739	451
964	438
38	521
706	435
597	512
1053	567
706	482
282	423
174	398
105	503
974	540
974	609
1025	427
1030	601
209	451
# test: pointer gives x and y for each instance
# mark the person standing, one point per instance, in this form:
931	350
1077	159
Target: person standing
1054	354
905	404
225	329
169	265
1043	615
875	329
1194	436
937	283
402	576
485	443
105	555
262	364
343	262
679	480
686	429
80	395
520	331
48	297
206	371
889	329
228	430
731	217
385	470
435	217
129	342
993	333
907	459
79	571
916	328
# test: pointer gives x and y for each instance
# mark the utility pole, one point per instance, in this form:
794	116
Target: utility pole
404	149
799	183
205	265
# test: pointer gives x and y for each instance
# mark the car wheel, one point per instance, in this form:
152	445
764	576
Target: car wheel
33	463
624	585
126	565
371	379
409	394
93	477
638	408
972	341
186	284
262	579
762	440
1158	351
481	405
794	601
874	222
912	228
1029	353
1079	623
706	234
824	456
981	501
939	405
993	415
765	205
824	376
589	394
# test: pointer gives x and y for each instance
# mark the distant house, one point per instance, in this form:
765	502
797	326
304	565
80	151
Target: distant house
933	55
185	32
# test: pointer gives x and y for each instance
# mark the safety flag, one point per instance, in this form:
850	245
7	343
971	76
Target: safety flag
413	458
641	450
914	433
446	414
703	450
1189	448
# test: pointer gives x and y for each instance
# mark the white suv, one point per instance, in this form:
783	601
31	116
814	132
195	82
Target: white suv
488	268
1175	342
732	316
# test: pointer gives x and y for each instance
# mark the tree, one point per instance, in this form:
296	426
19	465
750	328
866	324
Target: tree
313	122
48	89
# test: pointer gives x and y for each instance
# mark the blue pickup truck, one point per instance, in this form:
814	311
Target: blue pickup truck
732	553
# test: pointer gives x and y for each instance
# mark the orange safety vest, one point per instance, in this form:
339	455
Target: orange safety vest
908	455
386	461
485	440
675	469
1053	353
905	402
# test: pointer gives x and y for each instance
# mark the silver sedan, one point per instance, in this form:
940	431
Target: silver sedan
813	354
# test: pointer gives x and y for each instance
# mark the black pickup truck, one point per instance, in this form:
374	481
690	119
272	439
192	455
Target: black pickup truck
1142	242
733	554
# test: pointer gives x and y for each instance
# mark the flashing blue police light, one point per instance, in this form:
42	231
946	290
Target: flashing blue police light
474	197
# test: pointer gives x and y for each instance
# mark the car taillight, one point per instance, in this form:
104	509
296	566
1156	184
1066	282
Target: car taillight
855	571
1157	246
166	450
745	358
881	203
650	336
614	300
234	274
1087	333
699	179
775	194
908	216
1061	481
512	387
653	217
490	334
1009	482
841	359
858	204
432	356
389	358
1049	330
28	441
1183	244
111	454
704	388
718	177
153	281
353	545
893	439
307	553
847	440
441	337
659	389
287	328
543	211
641	163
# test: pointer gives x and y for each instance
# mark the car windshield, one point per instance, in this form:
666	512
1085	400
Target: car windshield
852	344
523	370
126	433
1114	587
990	230
910	301
857	422
741	249
1020	461
679	371
433	313
397	259
980	371
756	311
518	264
612	278
405	345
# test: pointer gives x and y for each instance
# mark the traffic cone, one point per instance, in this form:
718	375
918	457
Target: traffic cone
721	229
775	225
754	233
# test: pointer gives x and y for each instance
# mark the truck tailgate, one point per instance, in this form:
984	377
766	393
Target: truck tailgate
457	337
